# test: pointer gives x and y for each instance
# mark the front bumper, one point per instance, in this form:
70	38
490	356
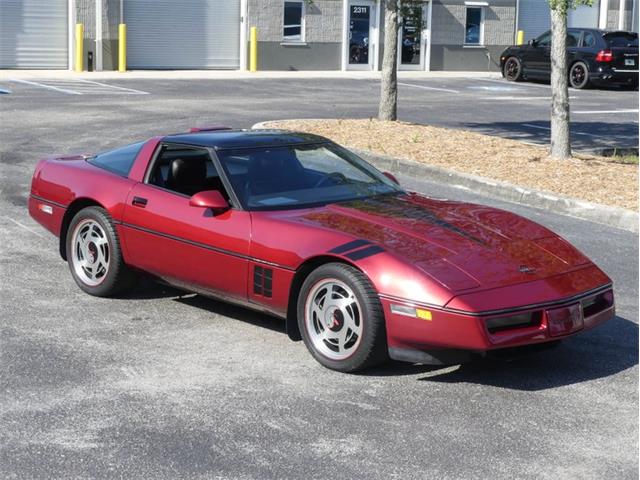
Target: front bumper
454	337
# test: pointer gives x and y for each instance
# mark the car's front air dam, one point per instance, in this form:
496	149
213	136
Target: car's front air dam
441	337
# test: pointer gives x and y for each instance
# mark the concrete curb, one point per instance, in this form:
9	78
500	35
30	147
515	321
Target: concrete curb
603	214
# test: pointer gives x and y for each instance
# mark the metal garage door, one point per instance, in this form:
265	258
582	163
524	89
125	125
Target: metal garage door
33	34
534	18
194	34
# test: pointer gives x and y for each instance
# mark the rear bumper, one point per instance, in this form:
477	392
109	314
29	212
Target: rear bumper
615	76
454	337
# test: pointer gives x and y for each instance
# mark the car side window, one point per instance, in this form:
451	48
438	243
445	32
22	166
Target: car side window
589	40
573	38
185	170
544	40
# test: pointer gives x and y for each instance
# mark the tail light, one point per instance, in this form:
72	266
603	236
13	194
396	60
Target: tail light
604	56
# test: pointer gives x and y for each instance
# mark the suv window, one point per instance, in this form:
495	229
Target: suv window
118	161
589	39
621	39
544	40
185	170
573	38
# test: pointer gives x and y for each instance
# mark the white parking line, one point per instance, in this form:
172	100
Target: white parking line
130	90
520	98
539	127
24	226
429	88
80	86
606	111
42	85
5	90
504	82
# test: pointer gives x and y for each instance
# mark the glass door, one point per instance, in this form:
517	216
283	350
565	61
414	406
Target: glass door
360	54
412	35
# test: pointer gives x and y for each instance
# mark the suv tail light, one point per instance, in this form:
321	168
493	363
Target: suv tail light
604	56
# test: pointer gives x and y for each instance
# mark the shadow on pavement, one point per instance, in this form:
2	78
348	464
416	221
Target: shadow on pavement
608	349
584	135
602	352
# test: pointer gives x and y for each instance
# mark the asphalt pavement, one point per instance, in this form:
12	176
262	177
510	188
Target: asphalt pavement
161	384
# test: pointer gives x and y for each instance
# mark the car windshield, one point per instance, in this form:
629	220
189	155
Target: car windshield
299	176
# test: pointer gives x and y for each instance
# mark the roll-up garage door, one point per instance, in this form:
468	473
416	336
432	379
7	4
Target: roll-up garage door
33	34
534	17
194	34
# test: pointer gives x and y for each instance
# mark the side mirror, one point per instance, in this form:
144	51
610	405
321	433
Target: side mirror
391	177
212	199
533	42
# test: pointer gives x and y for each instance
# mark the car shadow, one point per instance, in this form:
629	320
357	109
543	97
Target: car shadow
246	315
603	86
604	351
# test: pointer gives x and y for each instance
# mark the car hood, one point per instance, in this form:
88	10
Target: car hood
460	245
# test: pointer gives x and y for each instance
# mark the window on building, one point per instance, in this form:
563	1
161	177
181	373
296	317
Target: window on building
474	26
293	28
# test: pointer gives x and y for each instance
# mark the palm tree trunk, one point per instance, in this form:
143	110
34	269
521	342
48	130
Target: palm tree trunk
388	109
560	142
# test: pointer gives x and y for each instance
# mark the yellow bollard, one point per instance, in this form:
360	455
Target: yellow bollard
520	40
122	48
253	50
79	66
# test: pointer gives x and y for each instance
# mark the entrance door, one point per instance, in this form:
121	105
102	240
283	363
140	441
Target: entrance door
412	35
360	52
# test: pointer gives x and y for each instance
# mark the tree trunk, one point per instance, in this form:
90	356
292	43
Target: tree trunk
388	109
560	143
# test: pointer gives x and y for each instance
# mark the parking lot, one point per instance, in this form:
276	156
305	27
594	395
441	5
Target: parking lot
161	384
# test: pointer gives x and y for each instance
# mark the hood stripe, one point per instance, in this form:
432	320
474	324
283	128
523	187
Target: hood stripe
365	252
349	246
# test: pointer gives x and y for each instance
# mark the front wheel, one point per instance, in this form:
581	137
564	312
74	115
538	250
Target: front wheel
341	319
94	254
512	69
579	75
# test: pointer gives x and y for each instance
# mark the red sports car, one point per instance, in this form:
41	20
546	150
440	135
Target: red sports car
294	225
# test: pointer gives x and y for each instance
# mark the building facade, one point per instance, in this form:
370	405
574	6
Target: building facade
292	34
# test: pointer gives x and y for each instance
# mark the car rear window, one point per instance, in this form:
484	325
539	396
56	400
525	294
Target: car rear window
621	39
118	161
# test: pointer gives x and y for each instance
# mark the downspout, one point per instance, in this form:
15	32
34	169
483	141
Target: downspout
604	11
621	14
517	22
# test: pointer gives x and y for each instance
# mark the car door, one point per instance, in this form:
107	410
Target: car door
538	57
186	245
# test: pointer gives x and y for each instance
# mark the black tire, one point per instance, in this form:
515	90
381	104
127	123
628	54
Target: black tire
579	75
110	280
371	348
512	69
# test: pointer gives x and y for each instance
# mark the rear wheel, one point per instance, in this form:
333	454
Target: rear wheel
341	319
94	255
579	75
512	69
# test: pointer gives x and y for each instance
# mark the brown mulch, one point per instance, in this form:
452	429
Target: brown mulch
592	178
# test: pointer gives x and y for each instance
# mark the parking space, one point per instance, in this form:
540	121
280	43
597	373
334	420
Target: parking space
161	384
600	117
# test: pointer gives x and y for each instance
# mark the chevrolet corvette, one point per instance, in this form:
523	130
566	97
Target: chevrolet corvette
296	226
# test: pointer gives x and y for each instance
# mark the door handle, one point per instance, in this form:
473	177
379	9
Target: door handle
139	202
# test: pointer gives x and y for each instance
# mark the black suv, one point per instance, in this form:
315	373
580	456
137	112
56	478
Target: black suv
595	57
